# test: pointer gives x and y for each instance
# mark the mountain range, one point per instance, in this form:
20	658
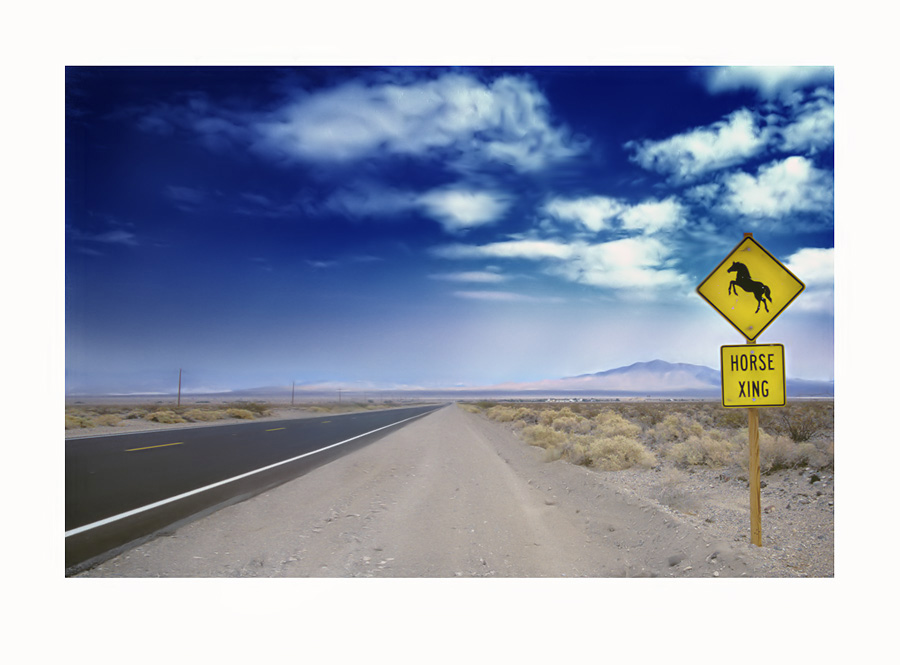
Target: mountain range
659	378
656	378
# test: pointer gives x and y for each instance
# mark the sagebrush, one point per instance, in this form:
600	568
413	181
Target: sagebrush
616	436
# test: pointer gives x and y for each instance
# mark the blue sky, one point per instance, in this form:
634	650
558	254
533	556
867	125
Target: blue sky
432	226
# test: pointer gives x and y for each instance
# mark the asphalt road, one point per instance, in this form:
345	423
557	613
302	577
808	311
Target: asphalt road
122	489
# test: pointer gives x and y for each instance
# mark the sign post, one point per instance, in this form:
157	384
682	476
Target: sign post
753	473
750	288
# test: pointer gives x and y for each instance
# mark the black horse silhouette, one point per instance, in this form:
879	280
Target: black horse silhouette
760	290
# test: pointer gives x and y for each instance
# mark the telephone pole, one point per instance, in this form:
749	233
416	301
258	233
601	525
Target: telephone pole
179	386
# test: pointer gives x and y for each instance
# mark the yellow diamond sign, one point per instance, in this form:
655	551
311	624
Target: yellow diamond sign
750	288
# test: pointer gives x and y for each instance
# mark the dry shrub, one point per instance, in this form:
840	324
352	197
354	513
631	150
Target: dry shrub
543	436
780	452
205	415
78	421
108	419
550	416
645	413
502	414
801	422
167	417
573	424
258	408
676	427
730	418
710	448
243	414
608	423
615	453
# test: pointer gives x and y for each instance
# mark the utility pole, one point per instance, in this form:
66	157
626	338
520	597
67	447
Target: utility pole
292	393
179	386
339	395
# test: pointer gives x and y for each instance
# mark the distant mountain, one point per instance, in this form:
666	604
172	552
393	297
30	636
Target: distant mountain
658	377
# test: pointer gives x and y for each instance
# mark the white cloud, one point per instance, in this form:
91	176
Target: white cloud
701	150
505	296
595	213
480	277
506	120
599	213
815	268
768	82
637	266
653	216
457	208
812	125
780	188
508	249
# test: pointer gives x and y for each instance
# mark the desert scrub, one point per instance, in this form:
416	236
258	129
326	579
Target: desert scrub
674	428
780	452
508	414
801	421
566	420
543	436
258	408
711	448
502	414
205	415
78	421
612	453
609	423
243	414
167	417
108	419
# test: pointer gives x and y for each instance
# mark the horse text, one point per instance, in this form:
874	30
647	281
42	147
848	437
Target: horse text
753	362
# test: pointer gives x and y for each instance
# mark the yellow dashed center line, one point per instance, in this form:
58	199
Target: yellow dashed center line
131	450
276	429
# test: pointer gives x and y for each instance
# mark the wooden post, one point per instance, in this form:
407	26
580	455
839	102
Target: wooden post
755	503
755	512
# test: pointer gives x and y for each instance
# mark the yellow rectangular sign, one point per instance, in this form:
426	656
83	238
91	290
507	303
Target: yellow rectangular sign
753	375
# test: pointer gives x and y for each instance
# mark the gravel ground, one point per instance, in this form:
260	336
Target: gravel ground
456	495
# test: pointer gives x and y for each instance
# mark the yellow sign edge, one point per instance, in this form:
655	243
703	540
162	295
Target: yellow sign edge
722	376
722	262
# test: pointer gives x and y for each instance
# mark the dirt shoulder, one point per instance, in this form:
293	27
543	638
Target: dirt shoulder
456	495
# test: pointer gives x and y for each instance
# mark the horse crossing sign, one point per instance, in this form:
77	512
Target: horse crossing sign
750	288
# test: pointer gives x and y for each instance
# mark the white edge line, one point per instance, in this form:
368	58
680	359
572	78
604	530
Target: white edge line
151	506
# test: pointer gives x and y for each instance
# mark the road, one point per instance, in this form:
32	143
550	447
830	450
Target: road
123	488
449	495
